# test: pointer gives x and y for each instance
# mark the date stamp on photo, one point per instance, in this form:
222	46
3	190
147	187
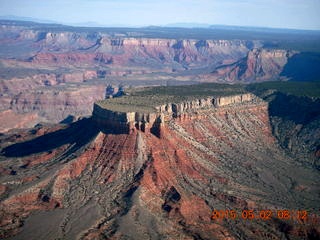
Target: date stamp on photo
265	215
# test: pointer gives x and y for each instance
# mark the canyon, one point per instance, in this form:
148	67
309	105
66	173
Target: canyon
39	60
208	153
91	149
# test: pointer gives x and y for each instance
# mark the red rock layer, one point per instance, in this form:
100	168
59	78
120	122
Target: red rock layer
139	185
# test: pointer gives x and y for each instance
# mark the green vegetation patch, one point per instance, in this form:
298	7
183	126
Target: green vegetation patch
146	99
301	89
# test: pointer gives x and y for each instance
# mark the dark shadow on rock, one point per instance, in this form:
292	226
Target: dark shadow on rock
295	124
172	197
68	120
303	67
300	110
77	134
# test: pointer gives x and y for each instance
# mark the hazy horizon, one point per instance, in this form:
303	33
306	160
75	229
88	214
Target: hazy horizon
289	14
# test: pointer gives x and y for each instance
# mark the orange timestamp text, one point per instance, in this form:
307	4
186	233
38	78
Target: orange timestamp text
267	214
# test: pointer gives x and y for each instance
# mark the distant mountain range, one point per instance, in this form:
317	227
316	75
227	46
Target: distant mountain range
170	25
28	19
188	25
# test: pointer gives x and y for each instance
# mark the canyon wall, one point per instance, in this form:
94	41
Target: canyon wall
128	121
28	107
170	55
37	62
258	65
123	121
174	53
92	184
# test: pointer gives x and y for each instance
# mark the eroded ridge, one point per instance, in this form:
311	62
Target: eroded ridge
140	186
116	118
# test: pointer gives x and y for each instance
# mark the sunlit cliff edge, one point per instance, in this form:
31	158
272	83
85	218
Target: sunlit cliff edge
168	159
126	121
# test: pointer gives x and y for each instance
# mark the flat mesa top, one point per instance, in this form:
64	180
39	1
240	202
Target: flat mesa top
147	99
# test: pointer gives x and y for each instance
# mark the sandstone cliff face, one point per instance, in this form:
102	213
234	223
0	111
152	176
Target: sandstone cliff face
227	60
37	58
230	60
76	48
258	65
123	121
9	119
47	97
17	85
137	184
224	101
127	121
128	51
56	105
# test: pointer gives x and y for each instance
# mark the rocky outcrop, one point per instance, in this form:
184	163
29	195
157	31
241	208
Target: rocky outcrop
83	181
224	101
56	105
34	58
9	120
95	184
77	48
127	51
47	97
122	121
258	65
17	85
227	60
127	121
295	123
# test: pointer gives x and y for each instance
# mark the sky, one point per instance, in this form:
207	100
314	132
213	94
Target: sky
296	14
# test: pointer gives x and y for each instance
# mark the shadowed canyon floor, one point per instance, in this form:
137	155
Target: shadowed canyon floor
79	182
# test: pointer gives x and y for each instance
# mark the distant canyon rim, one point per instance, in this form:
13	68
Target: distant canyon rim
51	72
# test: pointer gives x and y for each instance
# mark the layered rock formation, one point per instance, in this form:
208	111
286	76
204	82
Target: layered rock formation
9	119
96	184
51	97
37	57
110	50
127	121
258	65
148	174
295	122
56	105
160	55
